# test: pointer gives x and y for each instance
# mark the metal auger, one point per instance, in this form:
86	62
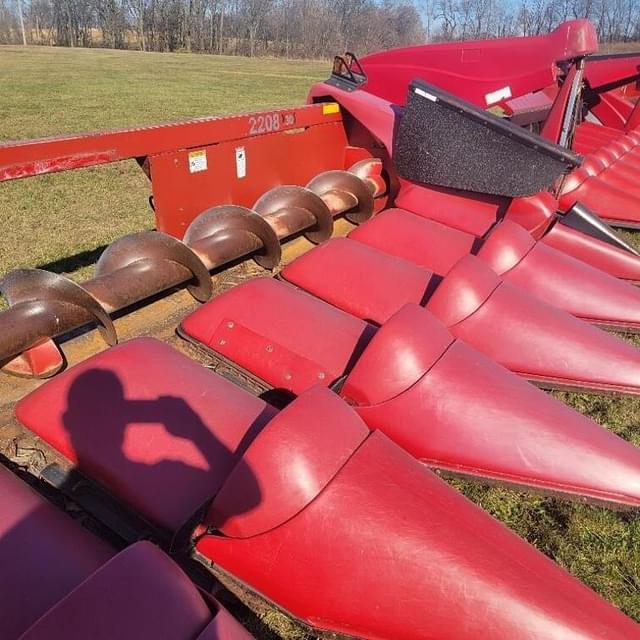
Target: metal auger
43	305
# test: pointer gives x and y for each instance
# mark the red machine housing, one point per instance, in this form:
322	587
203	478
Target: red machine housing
60	581
514	255
194	165
409	344
397	378
373	120
314	480
484	72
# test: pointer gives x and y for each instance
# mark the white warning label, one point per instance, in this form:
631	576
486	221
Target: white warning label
241	162
496	96
197	161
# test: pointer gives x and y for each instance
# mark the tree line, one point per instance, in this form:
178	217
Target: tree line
297	28
290	28
615	20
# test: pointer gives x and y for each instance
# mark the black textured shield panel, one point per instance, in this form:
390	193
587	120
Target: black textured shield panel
445	141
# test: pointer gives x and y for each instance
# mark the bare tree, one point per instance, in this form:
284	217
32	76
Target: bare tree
21	18
297	28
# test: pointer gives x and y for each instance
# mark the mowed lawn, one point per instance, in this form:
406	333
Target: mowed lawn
50	91
45	220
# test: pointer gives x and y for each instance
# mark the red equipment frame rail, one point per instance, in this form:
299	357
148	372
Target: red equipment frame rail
195	164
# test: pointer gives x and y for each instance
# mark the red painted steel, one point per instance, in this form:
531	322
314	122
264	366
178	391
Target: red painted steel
614	69
20	159
405	348
42	361
462	210
589	132
172	437
477	213
154	454
440	399
180	195
366	114
138	594
293	467
552	127
377	513
561	350
613	203
537	214
561	280
476	216
386	526
197	164
59	581
529	108
477	306
276	356
633	121
512	253
429	244
612	110
603	256
379	119
44	554
484	72
140	265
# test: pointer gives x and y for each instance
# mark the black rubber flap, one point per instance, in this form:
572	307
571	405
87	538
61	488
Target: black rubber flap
445	141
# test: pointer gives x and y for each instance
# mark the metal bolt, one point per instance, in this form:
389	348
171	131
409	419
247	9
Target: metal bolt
287	376
269	348
321	375
222	341
230	324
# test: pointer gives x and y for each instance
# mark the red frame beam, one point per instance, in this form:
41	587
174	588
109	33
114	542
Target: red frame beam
22	159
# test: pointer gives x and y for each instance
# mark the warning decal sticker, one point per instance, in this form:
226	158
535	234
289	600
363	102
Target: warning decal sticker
197	161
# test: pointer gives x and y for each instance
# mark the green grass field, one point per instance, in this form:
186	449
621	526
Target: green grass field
49	91
45	220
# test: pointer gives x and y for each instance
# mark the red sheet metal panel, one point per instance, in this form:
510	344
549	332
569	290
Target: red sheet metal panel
440	399
601	71
482	309
601	255
44	554
293	460
532	107
409	558
419	240
21	159
344	516
188	181
301	353
483	72
140	594
561	280
561	350
151	437
553	125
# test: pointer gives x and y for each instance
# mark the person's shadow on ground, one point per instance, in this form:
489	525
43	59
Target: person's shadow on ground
157	456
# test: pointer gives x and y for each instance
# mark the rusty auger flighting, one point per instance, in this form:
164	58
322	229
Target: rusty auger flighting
44	305
304	474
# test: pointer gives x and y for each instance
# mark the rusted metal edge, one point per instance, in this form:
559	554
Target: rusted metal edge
45	305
